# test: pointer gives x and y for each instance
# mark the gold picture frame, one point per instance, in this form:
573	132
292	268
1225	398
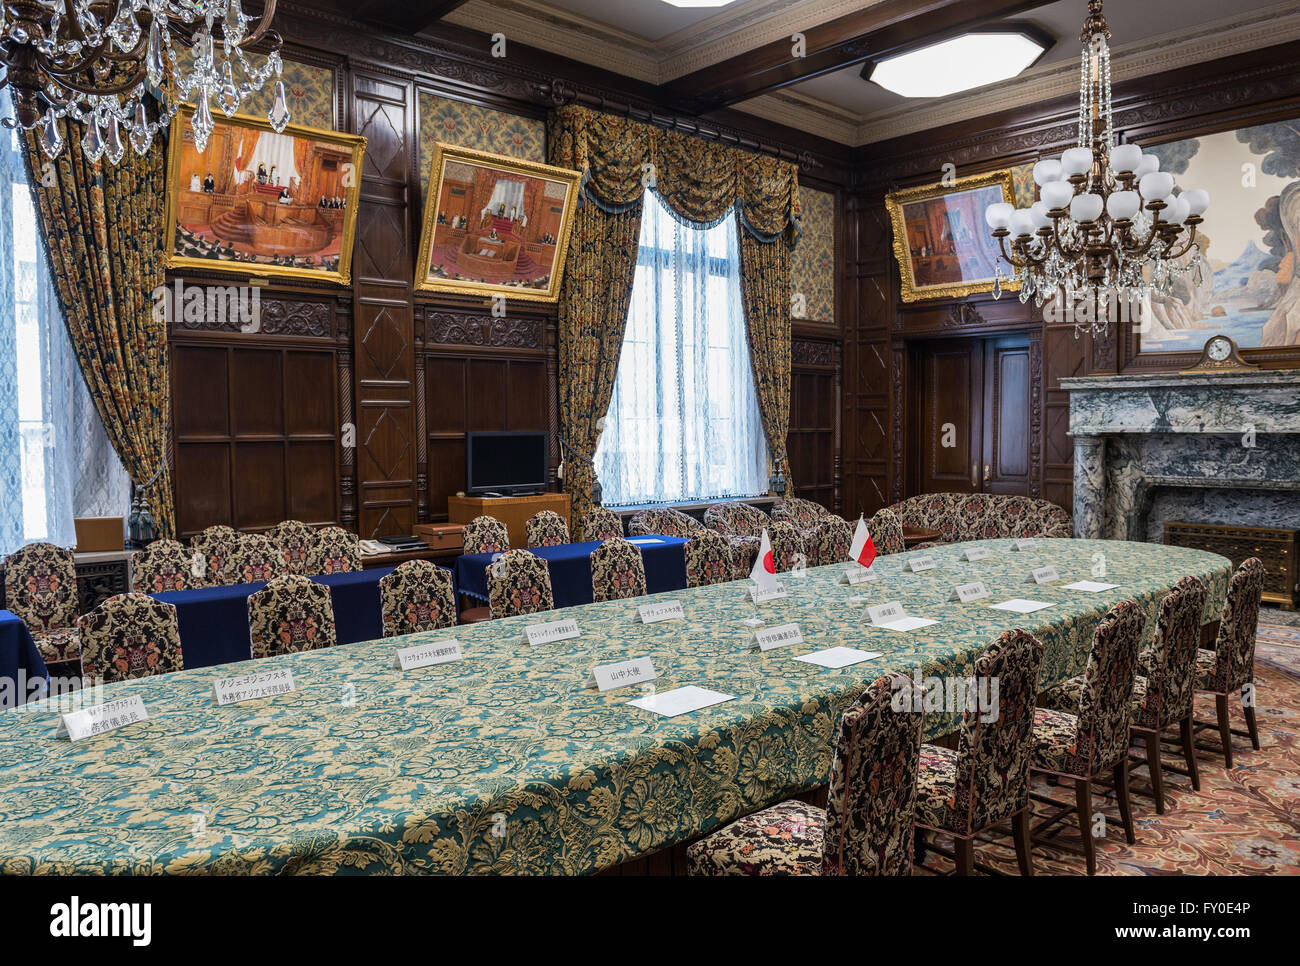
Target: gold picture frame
224	213
469	249
942	244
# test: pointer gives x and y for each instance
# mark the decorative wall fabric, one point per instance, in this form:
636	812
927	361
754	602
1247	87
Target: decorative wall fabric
475	126
103	232
812	263
700	181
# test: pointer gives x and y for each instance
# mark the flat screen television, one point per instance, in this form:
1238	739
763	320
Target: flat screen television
505	464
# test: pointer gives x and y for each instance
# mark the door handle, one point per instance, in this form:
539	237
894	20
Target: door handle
988	472
974	475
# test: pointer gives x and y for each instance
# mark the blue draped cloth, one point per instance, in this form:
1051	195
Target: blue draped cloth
20	662
570	568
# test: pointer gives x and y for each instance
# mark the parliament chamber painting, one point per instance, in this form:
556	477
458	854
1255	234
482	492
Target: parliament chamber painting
256	201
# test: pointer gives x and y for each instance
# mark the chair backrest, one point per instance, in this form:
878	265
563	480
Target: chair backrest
546	528
219	548
599	523
292	613
931	511
259	559
334	551
163	566
709	559
130	636
617	571
518	583
1106	702
993	755
664	520
787	546
1234	665
828	542
486	534
737	519
293	539
1171	671
416	597
872	799
804	514
41	587
982	516
886	530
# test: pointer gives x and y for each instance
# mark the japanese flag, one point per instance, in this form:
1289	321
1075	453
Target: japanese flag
764	570
863	548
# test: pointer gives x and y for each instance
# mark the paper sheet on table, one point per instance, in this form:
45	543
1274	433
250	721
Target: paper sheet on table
644	540
837	657
670	704
1091	586
906	623
1018	605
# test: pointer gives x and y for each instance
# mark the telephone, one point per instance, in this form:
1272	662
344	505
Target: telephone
371	547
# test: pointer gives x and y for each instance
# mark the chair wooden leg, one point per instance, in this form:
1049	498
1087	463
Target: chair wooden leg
1122	797
1189	751
1083	801
1020	829
1225	733
1251	724
964	853
1152	742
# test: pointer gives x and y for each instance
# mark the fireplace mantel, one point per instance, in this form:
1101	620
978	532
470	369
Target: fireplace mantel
1136	432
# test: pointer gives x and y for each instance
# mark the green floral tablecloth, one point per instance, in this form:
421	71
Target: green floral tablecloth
503	762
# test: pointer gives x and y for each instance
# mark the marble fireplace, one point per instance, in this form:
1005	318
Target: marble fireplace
1206	449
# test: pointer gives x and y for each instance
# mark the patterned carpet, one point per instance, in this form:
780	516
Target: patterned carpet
1243	822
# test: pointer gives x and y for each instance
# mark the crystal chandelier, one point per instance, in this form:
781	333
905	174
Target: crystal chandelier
101	62
1109	232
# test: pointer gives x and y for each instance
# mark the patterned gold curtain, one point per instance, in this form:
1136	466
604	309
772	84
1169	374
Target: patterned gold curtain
702	182
103	232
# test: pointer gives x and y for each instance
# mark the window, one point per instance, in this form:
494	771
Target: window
683	423
55	459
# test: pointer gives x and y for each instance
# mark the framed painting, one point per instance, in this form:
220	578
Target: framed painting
1252	289
942	244
495	225
260	203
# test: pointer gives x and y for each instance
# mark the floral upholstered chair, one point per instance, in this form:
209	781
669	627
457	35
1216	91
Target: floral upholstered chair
829	541
130	636
787	547
1093	740
259	559
867	826
709	560
665	521
546	528
41	590
599	523
518	583
163	566
1230	667
294	541
219	549
886	531
805	516
1163	690
416	597
617	571
486	534
737	519
982	516
334	551
985	781
292	613
931	511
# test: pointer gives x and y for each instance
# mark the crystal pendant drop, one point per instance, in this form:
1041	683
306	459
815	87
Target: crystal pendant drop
113	146
153	61
997	285
278	115
124	30
228	94
235	24
202	122
141	136
51	139
91	145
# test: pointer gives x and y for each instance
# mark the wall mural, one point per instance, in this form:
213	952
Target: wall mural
812	264
1250	241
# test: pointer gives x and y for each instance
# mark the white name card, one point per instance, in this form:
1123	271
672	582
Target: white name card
102	718
783	635
607	677
1044	575
917	564
838	657
1027	543
665	610
427	655
552	632
1090	586
975	553
249	687
891	611
969	592
774	592
669	704
858	575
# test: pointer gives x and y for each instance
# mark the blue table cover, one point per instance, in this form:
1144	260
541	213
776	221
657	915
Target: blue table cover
214	621
20	663
570	567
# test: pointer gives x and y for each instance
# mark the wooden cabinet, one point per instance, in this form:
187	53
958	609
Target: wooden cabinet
513	511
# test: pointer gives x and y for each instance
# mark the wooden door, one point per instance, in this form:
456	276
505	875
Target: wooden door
1006	405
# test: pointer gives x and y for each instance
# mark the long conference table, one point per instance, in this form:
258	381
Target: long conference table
505	762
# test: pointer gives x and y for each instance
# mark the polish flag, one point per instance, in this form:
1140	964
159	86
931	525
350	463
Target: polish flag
863	548
764	569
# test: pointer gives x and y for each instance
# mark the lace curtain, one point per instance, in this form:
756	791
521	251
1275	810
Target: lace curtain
683	423
56	462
